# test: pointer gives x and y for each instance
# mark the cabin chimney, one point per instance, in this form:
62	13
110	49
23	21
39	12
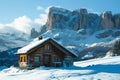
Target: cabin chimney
40	37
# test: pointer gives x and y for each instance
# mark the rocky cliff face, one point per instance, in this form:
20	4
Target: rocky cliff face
106	20
77	19
59	18
81	19
117	20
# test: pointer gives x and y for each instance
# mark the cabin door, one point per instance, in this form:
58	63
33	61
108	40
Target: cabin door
47	60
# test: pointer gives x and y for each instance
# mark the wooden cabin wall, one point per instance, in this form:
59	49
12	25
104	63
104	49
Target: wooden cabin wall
41	51
57	56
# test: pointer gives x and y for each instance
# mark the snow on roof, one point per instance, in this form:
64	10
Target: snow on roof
37	42
30	46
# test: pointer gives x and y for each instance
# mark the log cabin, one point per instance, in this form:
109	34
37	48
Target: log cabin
45	52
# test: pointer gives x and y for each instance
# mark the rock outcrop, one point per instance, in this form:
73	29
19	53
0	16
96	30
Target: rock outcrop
33	33
106	20
116	34
104	34
117	20
59	18
83	16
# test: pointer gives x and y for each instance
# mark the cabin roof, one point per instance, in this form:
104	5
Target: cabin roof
37	42
31	45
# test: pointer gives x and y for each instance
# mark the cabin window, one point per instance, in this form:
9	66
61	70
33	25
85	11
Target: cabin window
36	59
22	59
47	47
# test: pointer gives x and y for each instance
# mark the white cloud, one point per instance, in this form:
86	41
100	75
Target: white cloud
24	23
39	8
42	17
41	20
1	26
21	24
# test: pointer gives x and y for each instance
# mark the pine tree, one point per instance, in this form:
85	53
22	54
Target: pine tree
116	47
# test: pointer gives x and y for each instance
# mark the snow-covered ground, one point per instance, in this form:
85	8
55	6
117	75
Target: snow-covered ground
97	69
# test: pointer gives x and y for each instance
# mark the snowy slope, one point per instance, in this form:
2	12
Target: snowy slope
13	40
76	42
96	69
98	61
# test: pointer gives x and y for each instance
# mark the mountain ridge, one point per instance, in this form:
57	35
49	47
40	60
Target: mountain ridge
59	18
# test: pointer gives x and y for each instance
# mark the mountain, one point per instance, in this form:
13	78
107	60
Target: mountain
59	18
82	32
8	57
84	44
10	40
87	34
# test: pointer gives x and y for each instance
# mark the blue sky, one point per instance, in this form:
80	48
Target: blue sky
11	9
22	14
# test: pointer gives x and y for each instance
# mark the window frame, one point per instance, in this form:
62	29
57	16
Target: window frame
47	47
21	58
36	58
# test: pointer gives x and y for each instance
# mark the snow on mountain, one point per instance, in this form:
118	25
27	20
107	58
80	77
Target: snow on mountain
58	10
76	42
10	40
96	69
82	32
